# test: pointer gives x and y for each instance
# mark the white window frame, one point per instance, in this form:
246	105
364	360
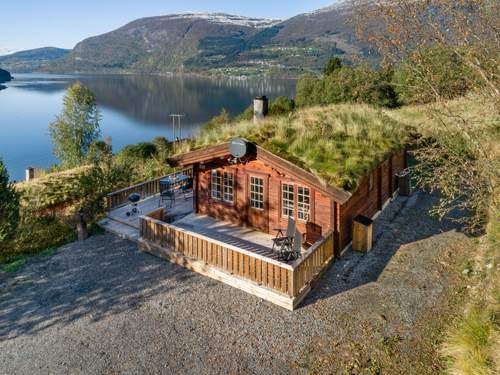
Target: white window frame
303	207
287	200
215	184
257	193
228	187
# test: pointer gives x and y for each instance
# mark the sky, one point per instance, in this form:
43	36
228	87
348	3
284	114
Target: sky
27	24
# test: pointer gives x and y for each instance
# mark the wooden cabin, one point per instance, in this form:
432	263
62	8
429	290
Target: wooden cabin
245	184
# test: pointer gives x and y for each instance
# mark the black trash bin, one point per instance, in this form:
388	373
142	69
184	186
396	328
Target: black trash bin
404	183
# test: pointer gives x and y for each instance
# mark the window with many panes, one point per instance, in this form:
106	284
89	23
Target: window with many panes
228	187
257	193
303	203
287	200
216	184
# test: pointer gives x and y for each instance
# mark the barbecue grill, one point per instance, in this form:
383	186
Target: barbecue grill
134	199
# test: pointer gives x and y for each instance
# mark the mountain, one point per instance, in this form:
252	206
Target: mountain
5	76
32	60
217	43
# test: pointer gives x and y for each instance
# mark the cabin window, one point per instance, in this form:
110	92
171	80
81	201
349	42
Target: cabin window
216	184
257	193
303	203
287	200
228	187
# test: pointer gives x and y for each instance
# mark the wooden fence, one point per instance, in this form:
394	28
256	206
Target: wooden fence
145	189
290	279
312	263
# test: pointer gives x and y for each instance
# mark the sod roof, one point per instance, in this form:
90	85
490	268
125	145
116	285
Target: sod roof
339	144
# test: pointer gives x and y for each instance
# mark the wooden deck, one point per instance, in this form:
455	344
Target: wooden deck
226	254
237	256
180	214
183	206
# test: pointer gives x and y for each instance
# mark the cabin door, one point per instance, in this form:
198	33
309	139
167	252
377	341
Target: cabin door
257	202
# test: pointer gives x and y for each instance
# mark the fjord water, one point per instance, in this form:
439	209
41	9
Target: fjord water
134	108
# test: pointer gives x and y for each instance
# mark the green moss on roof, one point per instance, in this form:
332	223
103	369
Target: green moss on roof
340	144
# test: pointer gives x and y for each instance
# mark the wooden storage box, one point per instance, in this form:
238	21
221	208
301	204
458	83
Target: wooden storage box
362	236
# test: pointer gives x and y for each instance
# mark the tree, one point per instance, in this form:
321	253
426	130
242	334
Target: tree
458	157
332	65
9	205
77	128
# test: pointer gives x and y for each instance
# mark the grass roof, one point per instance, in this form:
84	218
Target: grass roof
339	144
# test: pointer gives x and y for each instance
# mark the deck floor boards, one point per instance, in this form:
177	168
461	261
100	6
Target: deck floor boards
181	215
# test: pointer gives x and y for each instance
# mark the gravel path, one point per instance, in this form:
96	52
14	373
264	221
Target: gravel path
102	307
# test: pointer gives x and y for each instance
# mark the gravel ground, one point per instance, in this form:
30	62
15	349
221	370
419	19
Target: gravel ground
102	307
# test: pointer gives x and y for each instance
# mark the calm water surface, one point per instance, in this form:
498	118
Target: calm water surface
133	108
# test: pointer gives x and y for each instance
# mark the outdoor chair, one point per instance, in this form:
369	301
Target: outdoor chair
187	187
281	238
167	196
290	250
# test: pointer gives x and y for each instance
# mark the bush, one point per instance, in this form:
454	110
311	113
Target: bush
9	205
349	85
445	76
332	65
100	152
140	151
34	235
281	106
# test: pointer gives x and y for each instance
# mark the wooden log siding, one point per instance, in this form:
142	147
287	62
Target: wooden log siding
285	278
145	189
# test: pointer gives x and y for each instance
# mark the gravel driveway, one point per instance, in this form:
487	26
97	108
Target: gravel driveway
102	307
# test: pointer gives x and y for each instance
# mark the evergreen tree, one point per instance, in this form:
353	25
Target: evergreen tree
9	205
332	65
77	128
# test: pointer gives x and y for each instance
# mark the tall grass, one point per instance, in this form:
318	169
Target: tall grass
340	143
472	345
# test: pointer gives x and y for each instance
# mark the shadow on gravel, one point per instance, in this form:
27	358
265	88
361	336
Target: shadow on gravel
405	222
97	278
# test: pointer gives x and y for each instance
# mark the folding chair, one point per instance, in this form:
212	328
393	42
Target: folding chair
297	246
285	239
187	186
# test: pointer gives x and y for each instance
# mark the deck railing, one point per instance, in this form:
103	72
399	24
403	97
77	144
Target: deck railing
290	279
145	189
312	263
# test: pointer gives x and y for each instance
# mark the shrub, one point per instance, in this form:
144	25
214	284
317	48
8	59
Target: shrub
35	234
445	76
9	205
281	106
332	65
100	152
140	151
349	85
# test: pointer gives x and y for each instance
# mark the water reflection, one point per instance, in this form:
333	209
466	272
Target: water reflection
151	99
134	108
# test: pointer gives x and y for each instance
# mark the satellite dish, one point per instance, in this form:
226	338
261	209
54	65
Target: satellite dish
238	148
